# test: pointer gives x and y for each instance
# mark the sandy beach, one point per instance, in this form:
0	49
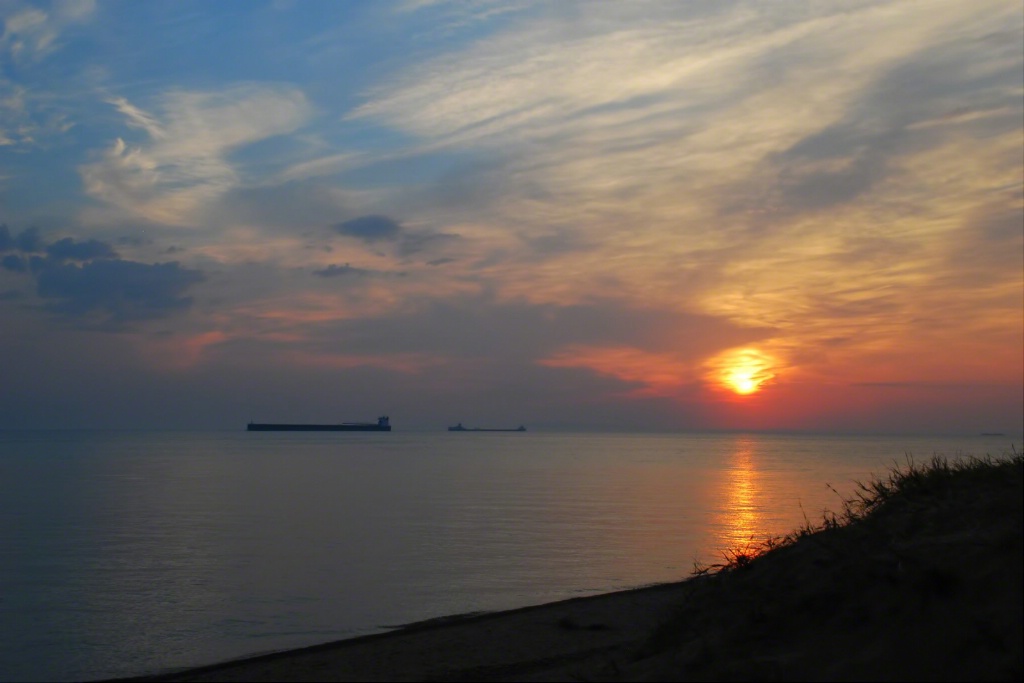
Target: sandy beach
922	579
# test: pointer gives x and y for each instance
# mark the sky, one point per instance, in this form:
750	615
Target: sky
613	216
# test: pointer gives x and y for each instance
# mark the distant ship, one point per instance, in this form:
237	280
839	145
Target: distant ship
381	425
460	428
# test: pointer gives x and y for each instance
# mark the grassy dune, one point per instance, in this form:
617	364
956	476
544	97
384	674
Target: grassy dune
919	577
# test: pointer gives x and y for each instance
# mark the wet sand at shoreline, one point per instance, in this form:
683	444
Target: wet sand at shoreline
567	638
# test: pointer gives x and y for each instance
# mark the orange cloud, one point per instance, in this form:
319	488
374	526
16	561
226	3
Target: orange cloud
659	374
179	352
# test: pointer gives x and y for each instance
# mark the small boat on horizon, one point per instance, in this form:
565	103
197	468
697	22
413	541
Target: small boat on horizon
460	428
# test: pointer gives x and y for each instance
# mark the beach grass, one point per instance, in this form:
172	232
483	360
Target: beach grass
918	576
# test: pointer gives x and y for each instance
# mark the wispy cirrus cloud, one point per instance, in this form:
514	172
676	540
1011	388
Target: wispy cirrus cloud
183	164
330	164
30	33
784	166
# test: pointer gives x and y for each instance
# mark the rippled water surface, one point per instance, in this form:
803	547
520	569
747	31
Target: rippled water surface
124	553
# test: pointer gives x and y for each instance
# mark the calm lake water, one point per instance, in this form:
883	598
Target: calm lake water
124	553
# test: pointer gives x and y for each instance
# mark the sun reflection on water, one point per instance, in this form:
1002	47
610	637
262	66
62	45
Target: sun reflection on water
741	516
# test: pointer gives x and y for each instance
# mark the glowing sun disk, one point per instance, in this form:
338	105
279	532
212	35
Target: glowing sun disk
744	371
742	382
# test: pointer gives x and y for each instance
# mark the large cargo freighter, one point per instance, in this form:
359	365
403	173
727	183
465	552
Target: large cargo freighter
381	425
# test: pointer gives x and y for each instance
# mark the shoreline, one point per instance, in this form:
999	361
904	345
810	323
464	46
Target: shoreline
536	639
919	578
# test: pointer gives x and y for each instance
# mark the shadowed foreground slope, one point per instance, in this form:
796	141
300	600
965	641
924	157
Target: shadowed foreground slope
919	578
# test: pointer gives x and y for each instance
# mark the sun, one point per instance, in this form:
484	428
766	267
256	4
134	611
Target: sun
743	371
742	382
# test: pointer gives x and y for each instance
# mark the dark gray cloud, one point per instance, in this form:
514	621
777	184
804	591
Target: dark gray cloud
27	240
299	205
370	229
30	241
134	241
555	244
479	328
79	278
908	108
855	165
68	249
1001	225
418	242
13	262
374	229
120	290
342	271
